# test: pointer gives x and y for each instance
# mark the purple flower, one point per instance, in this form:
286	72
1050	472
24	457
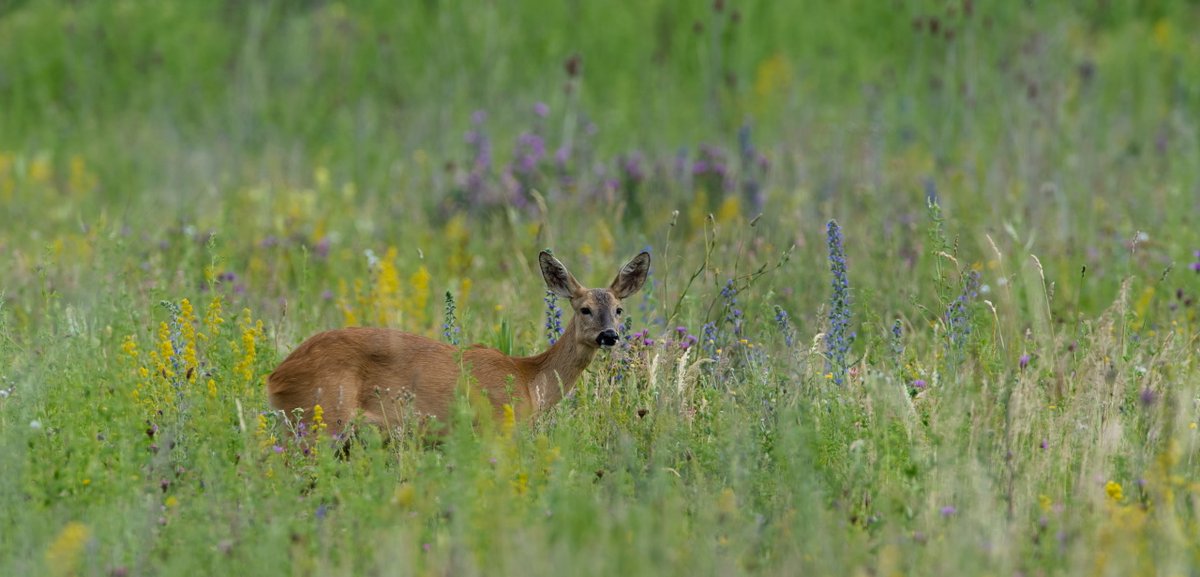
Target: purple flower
839	336
948	511
541	110
562	156
554	328
958	314
784	323
1147	397
322	248
919	384
1023	361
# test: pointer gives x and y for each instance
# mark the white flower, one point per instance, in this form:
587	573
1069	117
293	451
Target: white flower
35	425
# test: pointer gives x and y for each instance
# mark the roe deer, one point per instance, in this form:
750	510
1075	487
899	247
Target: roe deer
385	373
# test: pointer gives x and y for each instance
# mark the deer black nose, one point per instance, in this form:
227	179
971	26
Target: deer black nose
607	338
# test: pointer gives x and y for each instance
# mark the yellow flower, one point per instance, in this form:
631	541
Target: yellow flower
349	316
729	210
318	419
404	495
521	483
62	556
387	288
39	169
130	347
456	235
1113	490
464	291
187	334
419	297
727	502
81	179
212	317
1044	503
250	334
265	439
166	351
509	421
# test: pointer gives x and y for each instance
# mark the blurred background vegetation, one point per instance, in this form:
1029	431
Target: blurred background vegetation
290	167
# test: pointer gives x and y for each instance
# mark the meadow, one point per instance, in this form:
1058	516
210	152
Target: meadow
923	297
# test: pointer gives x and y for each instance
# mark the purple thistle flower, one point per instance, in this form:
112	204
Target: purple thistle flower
1023	361
919	384
948	511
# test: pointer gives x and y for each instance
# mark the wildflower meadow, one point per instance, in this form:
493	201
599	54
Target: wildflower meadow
922	300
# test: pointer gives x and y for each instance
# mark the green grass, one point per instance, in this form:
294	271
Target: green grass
303	166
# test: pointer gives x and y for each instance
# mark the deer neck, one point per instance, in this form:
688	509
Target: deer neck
559	368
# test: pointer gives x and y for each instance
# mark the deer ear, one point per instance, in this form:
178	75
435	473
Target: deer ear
558	278
632	276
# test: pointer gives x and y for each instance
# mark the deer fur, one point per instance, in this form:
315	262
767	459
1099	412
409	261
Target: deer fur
387	376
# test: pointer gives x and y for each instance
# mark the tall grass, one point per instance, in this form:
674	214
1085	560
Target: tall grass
192	188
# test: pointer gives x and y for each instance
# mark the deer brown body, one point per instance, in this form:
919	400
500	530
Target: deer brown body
388	376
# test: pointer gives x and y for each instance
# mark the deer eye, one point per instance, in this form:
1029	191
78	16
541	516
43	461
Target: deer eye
585	311
620	311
